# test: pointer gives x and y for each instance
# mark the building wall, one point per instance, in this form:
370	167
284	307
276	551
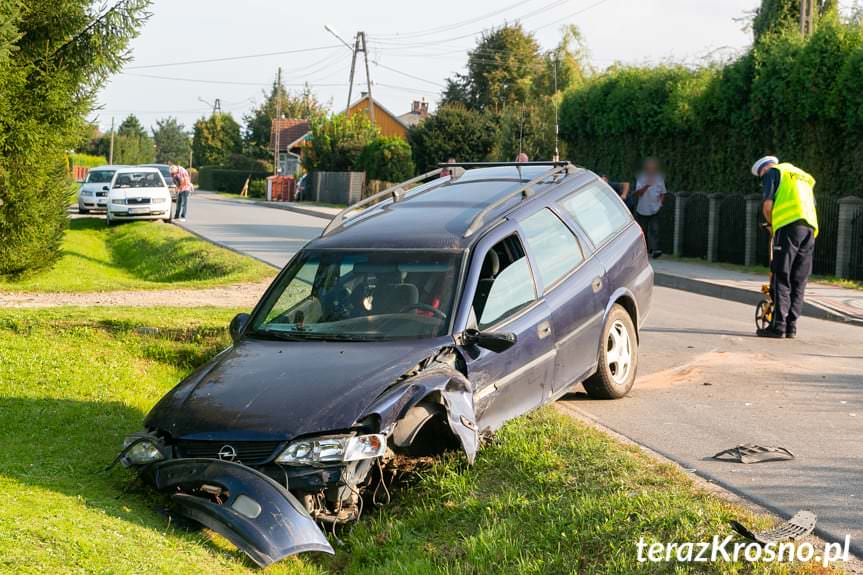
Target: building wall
389	126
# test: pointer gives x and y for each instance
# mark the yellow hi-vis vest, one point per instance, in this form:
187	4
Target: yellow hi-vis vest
795	199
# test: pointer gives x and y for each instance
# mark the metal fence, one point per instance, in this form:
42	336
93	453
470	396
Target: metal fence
666	224
731	220
856	267
695	223
824	261
731	244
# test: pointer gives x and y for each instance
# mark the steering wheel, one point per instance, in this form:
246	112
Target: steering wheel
424	307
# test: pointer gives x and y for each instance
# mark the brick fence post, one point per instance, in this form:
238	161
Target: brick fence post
753	208
679	213
850	207
713	226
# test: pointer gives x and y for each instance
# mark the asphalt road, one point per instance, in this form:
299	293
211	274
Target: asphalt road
268	234
705	384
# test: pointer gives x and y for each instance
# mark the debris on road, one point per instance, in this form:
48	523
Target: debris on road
751	453
801	525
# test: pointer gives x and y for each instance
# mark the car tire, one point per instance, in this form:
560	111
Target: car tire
618	357
83	210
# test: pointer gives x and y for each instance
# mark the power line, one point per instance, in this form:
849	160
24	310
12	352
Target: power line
230	58
568	16
391	69
449	27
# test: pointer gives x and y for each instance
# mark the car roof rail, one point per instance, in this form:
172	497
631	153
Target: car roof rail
526	191
396	193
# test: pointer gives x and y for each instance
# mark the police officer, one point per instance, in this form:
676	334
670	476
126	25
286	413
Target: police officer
788	203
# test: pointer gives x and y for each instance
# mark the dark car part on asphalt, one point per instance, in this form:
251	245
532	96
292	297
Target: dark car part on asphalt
751	453
465	301
801	525
245	506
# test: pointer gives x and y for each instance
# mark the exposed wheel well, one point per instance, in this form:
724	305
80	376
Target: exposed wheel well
629	305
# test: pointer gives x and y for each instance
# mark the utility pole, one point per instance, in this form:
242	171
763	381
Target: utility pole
556	157
111	149
277	128
359	46
362	36
807	17
351	80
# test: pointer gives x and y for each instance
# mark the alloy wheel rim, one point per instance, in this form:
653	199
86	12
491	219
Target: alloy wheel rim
618	355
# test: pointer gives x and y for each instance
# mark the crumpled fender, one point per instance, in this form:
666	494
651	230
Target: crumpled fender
258	515
450	388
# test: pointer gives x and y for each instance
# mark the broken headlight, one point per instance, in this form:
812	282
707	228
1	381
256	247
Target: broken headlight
139	449
334	449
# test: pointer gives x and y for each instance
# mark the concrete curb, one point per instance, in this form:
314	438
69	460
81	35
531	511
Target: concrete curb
742	295
221	245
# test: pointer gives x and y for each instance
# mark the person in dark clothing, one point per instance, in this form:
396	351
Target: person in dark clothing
620	188
788	205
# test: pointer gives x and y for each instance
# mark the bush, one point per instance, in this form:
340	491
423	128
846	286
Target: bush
216	179
337	143
800	100
54	59
258	189
87	160
387	158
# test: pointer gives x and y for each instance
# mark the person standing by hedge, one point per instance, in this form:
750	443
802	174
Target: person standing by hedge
184	190
650	192
788	204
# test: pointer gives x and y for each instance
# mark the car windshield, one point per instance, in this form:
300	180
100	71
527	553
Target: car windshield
361	296
138	180
99	176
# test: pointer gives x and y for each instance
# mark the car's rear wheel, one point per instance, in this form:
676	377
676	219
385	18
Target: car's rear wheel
618	358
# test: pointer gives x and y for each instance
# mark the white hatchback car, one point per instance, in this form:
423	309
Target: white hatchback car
92	194
138	194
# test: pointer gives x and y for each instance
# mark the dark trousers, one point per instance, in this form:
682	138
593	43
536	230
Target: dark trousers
182	204
793	246
650	227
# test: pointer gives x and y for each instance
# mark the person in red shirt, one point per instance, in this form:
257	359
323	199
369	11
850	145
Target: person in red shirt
184	190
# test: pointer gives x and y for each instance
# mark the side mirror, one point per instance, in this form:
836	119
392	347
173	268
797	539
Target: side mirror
496	342
238	324
106	188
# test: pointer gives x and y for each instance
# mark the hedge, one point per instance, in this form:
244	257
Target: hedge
799	99
87	160
216	179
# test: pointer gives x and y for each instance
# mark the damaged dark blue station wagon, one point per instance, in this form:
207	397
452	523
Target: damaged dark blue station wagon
422	318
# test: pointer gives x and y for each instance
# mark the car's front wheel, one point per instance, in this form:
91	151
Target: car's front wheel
618	357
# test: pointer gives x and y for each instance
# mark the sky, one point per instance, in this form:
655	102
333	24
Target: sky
413	46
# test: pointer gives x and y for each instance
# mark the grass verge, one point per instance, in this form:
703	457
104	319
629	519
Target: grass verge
548	496
764	271
138	255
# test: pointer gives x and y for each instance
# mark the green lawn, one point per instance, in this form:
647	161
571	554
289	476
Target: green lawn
548	496
139	255
764	271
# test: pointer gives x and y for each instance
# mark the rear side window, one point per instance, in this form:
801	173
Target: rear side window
553	245
598	211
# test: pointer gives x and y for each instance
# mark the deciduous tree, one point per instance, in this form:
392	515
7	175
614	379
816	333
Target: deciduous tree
215	139
172	141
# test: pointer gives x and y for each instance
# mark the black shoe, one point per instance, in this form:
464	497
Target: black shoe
657	254
790	332
770	332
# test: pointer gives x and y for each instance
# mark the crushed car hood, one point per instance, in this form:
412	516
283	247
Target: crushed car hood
274	390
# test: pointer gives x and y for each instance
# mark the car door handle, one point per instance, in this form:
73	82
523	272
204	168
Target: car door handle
543	330
597	284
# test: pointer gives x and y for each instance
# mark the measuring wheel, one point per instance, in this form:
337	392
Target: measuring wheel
763	314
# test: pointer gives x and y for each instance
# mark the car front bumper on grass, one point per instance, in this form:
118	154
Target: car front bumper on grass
251	510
